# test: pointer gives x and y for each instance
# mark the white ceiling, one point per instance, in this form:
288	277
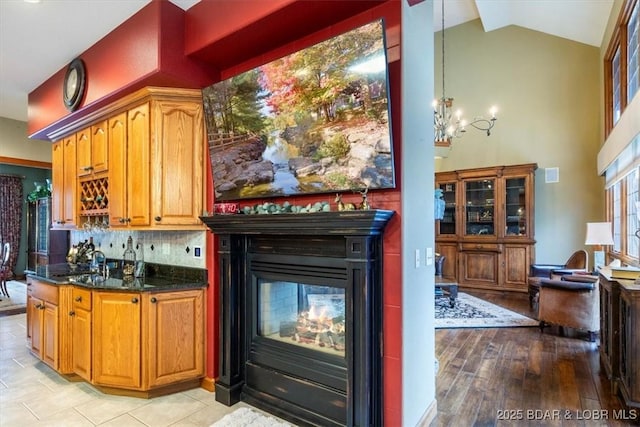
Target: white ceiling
39	39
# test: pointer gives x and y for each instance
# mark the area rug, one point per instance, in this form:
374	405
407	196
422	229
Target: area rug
472	312
248	417
17	303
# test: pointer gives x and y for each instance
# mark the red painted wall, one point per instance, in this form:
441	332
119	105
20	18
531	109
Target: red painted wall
146	50
386	199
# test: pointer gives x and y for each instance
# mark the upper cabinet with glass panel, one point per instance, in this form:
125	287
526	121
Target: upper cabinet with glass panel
480	207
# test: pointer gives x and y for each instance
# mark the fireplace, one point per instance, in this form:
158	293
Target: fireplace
300	314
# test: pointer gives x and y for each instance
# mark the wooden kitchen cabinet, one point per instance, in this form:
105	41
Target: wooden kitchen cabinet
142	342
141	164
174	337
178	153
156	178
488	226
64	183
46	327
150	340
81	326
129	176
92	149
116	339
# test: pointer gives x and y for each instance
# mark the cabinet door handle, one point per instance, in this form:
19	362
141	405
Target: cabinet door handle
38	306
134	300
128	219
88	168
41	307
121	220
154	300
78	299
158	218
72	313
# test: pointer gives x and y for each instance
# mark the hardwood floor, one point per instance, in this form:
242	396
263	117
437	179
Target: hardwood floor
519	376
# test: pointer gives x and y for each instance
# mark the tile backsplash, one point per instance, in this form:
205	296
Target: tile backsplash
159	247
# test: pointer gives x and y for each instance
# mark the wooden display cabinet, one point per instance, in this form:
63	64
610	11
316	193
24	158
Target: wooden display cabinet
489	221
44	246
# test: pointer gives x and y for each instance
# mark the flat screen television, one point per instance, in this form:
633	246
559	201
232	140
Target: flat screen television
315	121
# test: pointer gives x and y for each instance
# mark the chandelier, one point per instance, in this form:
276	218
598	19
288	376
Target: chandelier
446	125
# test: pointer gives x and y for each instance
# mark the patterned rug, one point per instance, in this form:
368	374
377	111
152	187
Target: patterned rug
17	303
248	417
472	312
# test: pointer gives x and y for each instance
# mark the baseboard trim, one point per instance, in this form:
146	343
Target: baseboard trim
208	384
429	415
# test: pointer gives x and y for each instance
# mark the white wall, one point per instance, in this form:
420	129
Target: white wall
418	333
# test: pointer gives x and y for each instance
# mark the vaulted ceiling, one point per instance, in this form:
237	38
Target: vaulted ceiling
39	39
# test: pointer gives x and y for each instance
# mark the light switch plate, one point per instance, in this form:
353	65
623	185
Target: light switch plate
197	252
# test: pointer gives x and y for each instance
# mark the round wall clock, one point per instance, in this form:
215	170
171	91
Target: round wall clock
74	84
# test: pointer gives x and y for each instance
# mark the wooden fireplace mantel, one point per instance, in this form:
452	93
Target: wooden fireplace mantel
351	223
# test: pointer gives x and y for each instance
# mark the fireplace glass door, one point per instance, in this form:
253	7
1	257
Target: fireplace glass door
304	315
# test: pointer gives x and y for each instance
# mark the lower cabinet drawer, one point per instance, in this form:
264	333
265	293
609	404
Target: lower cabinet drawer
82	298
45	292
483	247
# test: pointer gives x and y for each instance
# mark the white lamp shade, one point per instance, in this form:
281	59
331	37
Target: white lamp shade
599	233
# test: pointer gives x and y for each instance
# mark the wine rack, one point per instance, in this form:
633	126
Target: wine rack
94	197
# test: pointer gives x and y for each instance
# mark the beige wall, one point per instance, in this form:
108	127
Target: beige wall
14	142
547	90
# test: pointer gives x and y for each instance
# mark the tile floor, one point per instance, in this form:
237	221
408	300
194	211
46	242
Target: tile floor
32	394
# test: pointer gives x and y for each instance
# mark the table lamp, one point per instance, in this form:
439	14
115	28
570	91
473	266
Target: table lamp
598	234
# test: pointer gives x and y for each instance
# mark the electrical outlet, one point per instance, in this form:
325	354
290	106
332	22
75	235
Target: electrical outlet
197	252
166	249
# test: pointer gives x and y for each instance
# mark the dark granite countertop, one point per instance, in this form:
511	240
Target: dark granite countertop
158	277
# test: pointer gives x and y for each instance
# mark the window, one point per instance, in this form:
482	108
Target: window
615	71
632	219
623	197
616	216
633	45
622	64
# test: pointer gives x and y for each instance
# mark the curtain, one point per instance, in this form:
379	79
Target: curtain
11	205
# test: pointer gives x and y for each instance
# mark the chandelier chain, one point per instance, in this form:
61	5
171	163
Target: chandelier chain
446	127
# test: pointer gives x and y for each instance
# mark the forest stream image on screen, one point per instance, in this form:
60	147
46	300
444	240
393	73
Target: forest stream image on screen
315	121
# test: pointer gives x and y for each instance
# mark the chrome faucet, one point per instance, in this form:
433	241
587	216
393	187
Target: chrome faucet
95	264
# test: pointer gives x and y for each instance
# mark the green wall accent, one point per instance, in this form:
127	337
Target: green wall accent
547	90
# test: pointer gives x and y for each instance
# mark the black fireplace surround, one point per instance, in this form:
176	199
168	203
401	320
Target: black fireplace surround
332	376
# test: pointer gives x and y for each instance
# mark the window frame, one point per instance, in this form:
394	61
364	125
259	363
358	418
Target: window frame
618	43
623	254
